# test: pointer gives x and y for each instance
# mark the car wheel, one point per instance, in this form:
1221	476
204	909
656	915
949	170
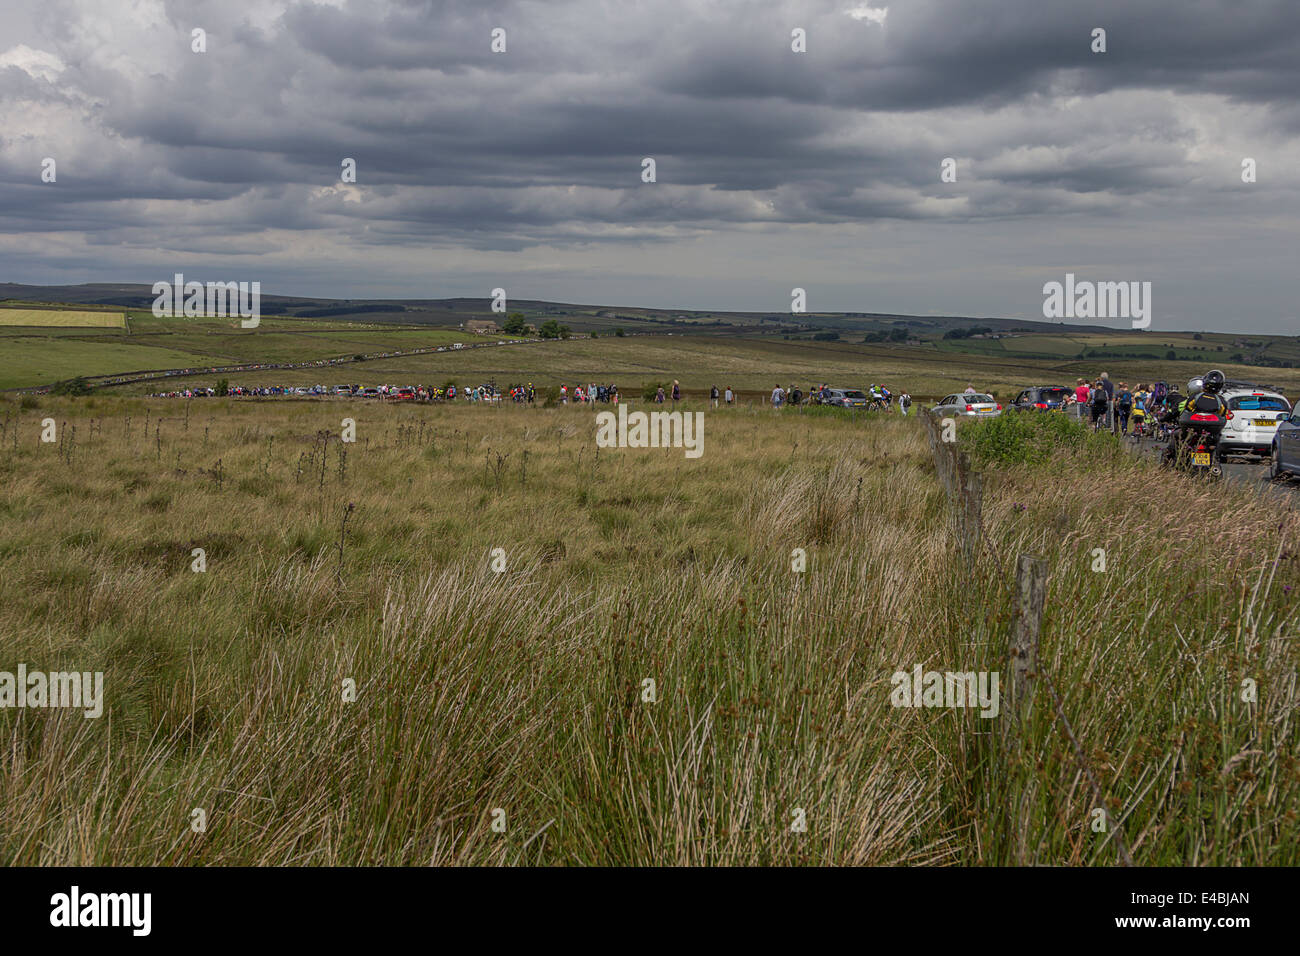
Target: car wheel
1275	472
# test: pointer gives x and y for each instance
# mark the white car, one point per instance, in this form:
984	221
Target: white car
969	404
1254	413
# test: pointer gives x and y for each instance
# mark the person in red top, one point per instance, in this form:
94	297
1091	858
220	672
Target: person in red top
1081	396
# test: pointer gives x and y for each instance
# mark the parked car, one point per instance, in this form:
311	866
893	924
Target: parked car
403	394
1284	452
1042	398
1253	416
370	392
968	404
844	397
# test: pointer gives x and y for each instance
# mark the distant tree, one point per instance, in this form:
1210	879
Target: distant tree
223	387
1236	357
1171	355
358	357
550	329
73	386
826	337
1197	336
619	333
515	324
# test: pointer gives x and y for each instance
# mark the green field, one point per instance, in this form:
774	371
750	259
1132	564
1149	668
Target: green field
33	360
62	318
750	365
742	357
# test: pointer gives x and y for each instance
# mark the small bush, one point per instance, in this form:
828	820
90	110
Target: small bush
73	386
651	389
1018	438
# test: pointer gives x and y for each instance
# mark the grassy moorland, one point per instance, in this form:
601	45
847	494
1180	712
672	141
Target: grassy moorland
524	691
752	366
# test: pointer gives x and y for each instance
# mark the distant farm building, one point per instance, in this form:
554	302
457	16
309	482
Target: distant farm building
481	326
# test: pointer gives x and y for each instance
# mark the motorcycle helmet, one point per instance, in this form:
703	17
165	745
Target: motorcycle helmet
1195	385
1214	381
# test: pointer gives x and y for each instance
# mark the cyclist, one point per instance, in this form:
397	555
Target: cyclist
1098	400
1123	408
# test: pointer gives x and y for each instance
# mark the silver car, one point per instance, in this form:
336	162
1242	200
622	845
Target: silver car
844	397
1285	450
969	405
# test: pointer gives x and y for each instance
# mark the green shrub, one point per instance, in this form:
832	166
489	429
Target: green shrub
651	389
73	386
1018	438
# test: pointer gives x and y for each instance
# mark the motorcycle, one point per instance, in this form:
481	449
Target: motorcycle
1196	451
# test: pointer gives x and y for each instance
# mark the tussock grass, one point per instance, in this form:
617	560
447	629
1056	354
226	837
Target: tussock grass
524	690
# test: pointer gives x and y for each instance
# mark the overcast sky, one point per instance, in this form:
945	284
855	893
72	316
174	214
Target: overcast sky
774	168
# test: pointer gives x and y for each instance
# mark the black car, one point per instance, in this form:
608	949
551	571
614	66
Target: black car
1042	397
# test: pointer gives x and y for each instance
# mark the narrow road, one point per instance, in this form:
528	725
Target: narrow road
1245	473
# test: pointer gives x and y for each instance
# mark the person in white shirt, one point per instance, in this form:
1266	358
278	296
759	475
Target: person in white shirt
778	396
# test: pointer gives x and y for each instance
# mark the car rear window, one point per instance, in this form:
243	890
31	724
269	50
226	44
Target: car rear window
1259	403
853	393
1052	395
977	399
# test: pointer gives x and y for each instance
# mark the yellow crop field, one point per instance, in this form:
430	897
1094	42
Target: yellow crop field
62	319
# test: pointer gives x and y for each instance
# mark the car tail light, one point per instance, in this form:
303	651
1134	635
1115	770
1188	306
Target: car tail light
1000	406
1036	405
1203	417
970	408
1229	416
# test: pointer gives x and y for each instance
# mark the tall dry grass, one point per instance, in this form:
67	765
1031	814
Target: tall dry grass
524	691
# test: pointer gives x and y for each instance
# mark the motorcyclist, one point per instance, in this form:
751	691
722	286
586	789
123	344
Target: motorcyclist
1205	397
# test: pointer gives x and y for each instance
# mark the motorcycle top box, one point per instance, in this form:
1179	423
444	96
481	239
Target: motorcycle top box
1202	421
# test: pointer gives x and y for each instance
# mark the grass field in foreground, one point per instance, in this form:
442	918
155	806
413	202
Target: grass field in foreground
524	691
62	318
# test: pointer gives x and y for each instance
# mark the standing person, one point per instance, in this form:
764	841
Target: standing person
904	402
1082	395
1123	408
796	396
970	389
659	396
778	396
564	394
730	395
677	391
1109	387
713	396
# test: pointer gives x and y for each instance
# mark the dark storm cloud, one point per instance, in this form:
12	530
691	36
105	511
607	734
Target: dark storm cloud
162	151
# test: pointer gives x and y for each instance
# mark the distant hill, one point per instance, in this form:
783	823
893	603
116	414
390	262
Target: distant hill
582	318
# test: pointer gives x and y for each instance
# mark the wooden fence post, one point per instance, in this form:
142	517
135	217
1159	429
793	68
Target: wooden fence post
1026	623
